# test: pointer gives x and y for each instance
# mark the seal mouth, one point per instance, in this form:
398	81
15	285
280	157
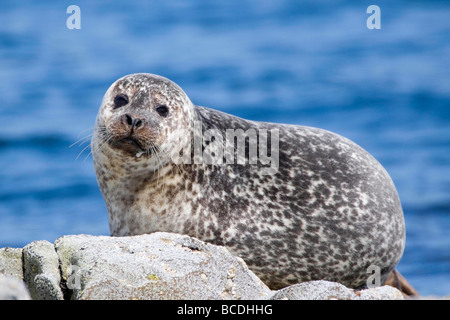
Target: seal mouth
132	146
132	141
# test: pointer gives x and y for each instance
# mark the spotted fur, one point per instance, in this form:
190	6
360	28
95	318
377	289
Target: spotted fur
329	212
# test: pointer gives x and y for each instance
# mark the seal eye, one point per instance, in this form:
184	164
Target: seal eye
162	110
120	100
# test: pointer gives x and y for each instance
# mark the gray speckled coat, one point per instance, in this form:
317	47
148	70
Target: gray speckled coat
329	212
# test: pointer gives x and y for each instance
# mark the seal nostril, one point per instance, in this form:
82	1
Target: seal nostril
132	122
129	120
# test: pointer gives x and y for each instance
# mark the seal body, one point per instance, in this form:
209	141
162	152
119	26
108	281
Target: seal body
327	210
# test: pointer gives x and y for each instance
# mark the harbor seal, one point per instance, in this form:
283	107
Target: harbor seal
297	203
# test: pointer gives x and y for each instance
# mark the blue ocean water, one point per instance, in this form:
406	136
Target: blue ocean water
302	62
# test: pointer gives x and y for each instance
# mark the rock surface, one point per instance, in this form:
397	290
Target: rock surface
11	262
154	266
12	288
326	290
41	271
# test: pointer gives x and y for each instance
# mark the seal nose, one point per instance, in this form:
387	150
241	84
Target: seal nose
131	121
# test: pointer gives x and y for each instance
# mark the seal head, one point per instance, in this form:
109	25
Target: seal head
141	116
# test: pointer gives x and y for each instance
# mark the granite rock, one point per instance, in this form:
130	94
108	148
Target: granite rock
11	288
41	271
327	290
155	266
11	262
